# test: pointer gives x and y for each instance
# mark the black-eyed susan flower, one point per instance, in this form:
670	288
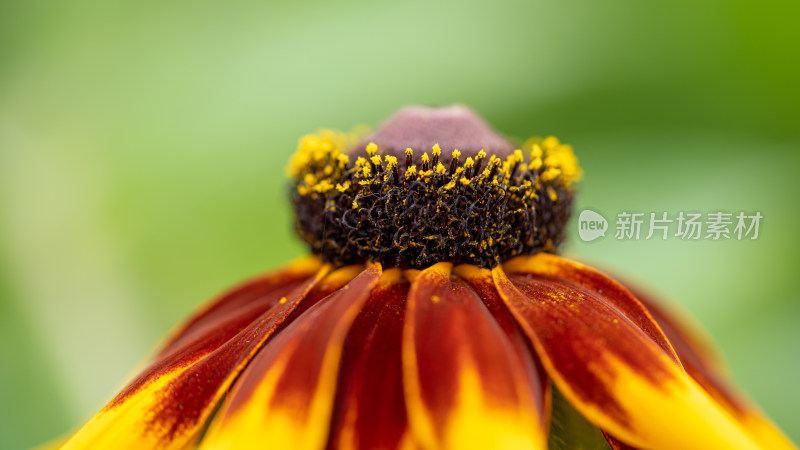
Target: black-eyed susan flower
434	314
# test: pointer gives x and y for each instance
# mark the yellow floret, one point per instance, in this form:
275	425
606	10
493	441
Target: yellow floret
343	187
550	142
563	158
536	152
316	149
550	174
372	148
552	193
323	186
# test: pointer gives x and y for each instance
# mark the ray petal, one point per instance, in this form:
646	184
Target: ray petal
614	293
465	384
481	280
612	370
702	366
167	405
285	396
370	410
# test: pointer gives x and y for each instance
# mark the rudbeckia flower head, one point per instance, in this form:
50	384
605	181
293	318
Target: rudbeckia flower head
434	313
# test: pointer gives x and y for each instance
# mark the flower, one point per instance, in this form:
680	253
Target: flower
434	314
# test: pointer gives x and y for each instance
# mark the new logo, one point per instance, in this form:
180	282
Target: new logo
591	225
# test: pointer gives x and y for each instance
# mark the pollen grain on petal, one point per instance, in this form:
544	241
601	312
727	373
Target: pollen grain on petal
612	292
612	372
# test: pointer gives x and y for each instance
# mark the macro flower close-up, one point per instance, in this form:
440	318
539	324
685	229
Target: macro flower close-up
435	310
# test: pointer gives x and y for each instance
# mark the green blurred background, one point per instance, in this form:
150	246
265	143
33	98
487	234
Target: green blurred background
142	148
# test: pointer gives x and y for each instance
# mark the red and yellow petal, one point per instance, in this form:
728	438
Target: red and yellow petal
609	366
369	411
546	264
481	280
465	384
698	364
285	396
167	405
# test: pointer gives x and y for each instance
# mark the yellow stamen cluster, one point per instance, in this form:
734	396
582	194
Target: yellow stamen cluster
558	159
321	163
321	159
